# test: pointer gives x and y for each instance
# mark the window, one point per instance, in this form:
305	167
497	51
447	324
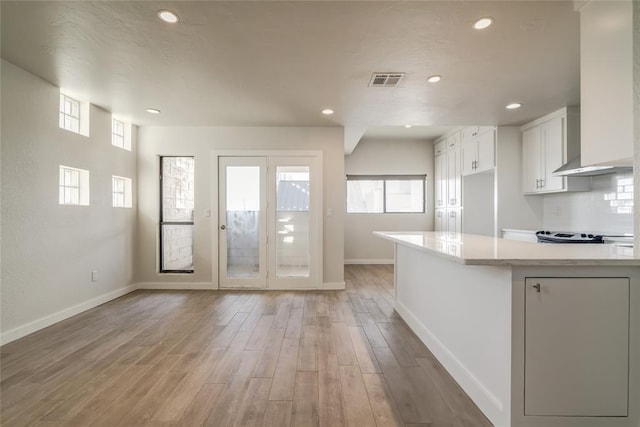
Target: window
121	192
74	115
121	134
176	214
69	114
385	194
74	186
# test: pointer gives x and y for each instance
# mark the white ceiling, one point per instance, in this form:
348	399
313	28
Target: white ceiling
263	63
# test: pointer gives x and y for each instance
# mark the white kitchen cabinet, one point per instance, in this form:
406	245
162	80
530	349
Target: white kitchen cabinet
440	220
454	179
547	144
448	184
576	347
454	221
478	149
607	82
440	180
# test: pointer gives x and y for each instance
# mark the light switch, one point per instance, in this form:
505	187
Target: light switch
207	213
329	212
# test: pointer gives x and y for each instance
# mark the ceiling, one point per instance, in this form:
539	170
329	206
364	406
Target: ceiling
264	63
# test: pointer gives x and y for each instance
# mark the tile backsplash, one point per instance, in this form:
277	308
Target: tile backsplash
607	208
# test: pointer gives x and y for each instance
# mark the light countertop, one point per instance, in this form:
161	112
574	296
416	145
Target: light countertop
474	249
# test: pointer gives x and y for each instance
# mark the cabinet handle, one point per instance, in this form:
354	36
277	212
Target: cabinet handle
452	201
537	184
452	214
537	287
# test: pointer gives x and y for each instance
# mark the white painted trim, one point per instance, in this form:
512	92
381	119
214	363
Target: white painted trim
368	261
43	322
489	403
178	286
337	286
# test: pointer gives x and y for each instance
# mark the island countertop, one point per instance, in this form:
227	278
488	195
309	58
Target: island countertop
474	249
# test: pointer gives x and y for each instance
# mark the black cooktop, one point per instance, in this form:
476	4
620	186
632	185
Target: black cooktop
568	237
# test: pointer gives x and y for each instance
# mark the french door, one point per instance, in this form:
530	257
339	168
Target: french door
269	222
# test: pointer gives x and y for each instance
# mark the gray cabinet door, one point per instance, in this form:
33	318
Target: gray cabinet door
576	346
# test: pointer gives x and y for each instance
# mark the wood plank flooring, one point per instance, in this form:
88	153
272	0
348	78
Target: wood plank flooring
234	358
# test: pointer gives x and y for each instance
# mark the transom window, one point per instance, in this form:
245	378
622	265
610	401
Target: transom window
69	113
74	186
121	192
117	133
120	134
385	194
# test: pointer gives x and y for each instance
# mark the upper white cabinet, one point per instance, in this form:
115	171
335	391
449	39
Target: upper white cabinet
547	144
478	149
606	82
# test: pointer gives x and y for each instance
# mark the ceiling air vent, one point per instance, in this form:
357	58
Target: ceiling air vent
385	79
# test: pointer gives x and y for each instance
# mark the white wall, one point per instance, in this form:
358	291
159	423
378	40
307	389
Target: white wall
514	209
607	208
200	142
384	157
49	250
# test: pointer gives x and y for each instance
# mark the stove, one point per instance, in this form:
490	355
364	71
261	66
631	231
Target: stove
568	237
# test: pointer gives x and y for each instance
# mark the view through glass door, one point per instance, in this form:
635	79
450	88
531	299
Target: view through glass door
242	221
269	222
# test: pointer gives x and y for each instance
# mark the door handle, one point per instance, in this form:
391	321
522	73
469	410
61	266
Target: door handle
537	287
223	227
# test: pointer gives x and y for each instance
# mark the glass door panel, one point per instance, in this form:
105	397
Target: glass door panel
292	221
242	222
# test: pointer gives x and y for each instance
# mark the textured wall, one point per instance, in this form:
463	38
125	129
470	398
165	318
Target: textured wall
49	250
200	142
382	157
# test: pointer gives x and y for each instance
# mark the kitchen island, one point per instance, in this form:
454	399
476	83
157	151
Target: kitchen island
536	335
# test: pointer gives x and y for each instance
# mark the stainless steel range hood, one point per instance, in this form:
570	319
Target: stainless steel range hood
574	168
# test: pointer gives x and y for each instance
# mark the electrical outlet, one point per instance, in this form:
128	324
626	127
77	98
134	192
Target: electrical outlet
94	275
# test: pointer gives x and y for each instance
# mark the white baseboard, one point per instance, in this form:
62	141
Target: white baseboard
43	322
334	286
178	286
368	261
488	403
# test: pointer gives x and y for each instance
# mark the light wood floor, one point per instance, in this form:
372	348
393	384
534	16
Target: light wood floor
234	358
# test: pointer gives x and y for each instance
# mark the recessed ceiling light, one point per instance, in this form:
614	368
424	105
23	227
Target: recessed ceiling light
434	79
513	106
327	111
168	16
483	23
407	126
153	110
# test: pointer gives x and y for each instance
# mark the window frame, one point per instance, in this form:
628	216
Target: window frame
127	191
162	222
83	190
63	114
384	178
115	134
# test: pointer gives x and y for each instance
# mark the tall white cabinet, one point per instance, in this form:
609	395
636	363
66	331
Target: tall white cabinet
448	184
472	147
